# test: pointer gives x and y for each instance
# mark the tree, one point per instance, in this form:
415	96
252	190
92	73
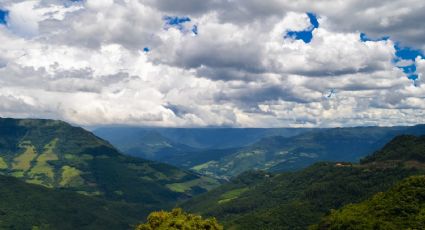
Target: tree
177	219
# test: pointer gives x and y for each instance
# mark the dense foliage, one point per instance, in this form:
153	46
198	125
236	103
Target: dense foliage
401	148
178	220
402	207
299	199
27	206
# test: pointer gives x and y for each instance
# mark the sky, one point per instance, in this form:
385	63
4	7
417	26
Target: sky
214	63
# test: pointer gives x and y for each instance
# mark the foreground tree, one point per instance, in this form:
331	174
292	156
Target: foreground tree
178	219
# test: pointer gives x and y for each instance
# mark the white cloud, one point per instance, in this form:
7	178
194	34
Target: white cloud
84	63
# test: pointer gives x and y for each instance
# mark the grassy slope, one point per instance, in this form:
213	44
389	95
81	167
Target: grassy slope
55	154
296	200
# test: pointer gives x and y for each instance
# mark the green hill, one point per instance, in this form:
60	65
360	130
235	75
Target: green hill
401	148
296	200
57	155
27	206
402	207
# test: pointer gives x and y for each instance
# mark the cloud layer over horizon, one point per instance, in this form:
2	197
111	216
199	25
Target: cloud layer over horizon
190	63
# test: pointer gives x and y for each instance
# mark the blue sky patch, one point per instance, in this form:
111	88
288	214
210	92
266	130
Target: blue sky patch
3	16
401	54
407	53
146	50
313	20
195	30
365	38
410	54
176	22
307	34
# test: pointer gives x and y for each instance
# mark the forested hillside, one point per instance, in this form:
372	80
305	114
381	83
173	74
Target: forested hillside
27	206
402	207
298	199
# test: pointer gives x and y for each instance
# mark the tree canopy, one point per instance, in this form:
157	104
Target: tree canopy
178	219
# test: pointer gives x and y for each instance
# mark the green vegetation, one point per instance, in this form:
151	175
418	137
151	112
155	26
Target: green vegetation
176	220
3	164
202	183
296	200
57	155
402	207
43	172
23	161
26	206
401	148
71	177
87	184
231	195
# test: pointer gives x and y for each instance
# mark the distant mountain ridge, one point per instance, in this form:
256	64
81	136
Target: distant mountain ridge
197	138
57	155
270	149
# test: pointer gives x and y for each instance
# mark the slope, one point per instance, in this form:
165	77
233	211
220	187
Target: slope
296	200
402	207
27	206
57	155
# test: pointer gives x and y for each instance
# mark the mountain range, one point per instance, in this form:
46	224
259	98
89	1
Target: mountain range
276	150
57	176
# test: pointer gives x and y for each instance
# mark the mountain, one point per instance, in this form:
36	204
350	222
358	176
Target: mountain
402	207
198	138
277	154
275	150
295	200
27	206
55	154
150	145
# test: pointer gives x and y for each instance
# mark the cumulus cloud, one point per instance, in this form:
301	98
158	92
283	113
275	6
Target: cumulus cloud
137	62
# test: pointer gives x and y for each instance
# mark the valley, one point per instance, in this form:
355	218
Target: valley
271	152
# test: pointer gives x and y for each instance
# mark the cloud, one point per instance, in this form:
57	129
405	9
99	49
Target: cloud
139	62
